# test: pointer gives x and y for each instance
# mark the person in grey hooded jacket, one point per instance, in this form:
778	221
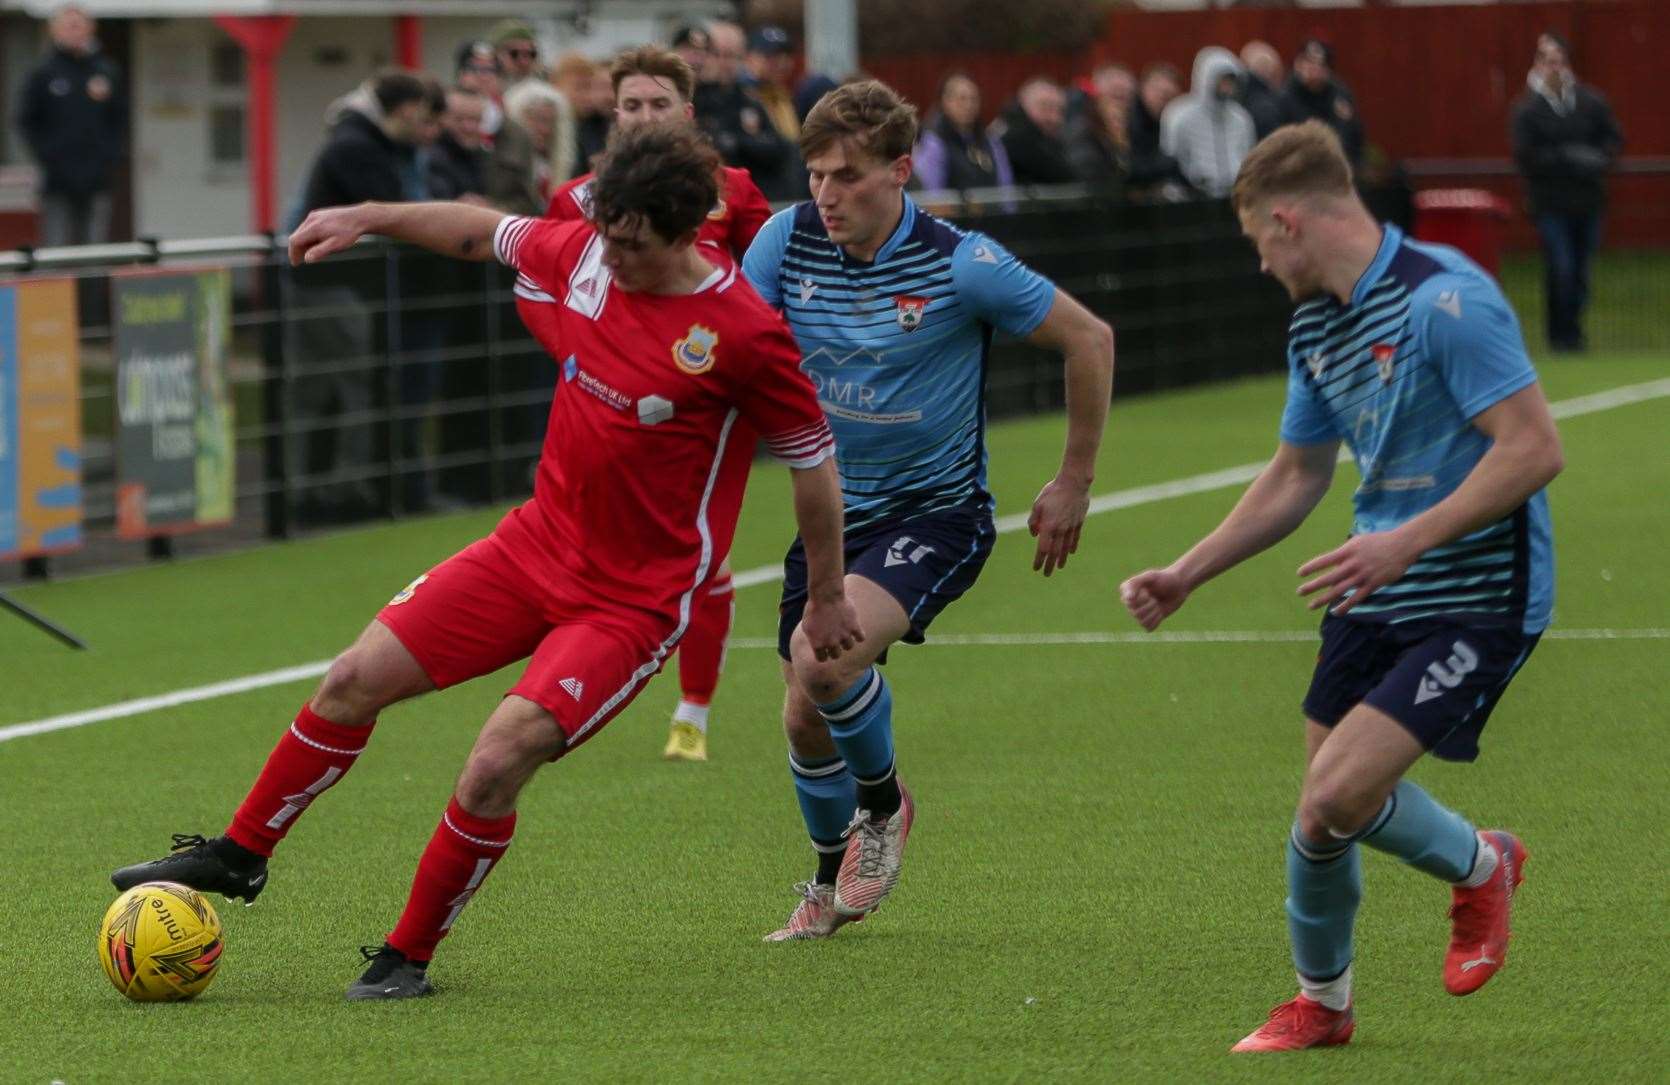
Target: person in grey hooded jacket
1207	131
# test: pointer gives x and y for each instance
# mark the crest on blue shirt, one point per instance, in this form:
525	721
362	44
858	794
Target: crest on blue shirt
910	311
1384	355
694	353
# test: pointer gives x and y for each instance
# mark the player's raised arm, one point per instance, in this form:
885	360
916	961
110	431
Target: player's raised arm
1274	505
1085	343
452	229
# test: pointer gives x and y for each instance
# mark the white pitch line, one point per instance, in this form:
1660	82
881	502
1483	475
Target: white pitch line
1207	636
764	574
1246	472
947	640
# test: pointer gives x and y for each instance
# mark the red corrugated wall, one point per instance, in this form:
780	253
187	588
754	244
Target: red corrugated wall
1432	82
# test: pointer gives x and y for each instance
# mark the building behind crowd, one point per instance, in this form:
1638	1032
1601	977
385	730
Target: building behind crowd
188	163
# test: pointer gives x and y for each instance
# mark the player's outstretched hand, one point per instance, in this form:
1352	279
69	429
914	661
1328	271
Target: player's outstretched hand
1056	520
1153	596
831	627
1364	565
325	231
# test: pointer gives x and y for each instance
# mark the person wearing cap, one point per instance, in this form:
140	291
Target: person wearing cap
738	123
1314	92
1565	141
693	46
510	150
770	68
518	51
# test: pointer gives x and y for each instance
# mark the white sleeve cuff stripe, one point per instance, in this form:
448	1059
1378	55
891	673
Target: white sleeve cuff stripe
804	431
805	463
507	238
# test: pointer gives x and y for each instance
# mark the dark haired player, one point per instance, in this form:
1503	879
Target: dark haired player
666	355
654	86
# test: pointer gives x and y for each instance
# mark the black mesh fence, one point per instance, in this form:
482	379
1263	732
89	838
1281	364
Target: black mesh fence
388	382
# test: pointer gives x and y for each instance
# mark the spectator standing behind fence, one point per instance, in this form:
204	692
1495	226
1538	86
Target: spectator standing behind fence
509	172
335	336
735	120
953	152
1152	169
374	133
546	116
1260	91
1206	131
1031	130
1314	92
577	76
517	51
1565	141
1098	139
458	165
73	115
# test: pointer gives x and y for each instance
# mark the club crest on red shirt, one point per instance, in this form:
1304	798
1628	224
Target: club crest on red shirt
910	311
695	352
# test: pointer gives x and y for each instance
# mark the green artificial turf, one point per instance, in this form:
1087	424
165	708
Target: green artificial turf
1094	885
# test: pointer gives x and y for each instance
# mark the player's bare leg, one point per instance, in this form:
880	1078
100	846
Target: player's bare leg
1354	791
315	752
701	659
472	836
837	716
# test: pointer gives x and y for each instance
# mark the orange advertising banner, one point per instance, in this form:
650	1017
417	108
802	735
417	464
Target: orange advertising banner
40	419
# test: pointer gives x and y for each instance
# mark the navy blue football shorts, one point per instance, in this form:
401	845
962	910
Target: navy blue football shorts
926	562
1439	679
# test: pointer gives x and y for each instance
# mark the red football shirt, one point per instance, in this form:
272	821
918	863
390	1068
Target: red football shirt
652	425
731	225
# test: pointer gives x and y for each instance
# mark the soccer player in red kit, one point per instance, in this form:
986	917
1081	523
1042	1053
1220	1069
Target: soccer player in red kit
667	358
651	86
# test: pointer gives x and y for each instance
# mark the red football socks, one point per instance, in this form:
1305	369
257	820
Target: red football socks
701	654
311	757
458	859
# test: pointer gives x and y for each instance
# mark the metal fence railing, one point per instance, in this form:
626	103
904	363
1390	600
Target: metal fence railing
387	381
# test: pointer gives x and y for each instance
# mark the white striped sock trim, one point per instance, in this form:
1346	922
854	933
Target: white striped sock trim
818	773
828	849
865	699
889	774
447	820
321	746
1312	854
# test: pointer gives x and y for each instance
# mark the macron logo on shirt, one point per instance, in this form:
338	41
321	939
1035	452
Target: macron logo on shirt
1450	302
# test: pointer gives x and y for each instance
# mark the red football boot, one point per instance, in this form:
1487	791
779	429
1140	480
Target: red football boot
1479	937
1298	1024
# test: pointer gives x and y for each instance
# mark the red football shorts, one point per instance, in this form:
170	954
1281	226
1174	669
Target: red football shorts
476	612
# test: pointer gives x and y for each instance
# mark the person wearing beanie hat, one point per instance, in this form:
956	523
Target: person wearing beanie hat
518	51
1314	92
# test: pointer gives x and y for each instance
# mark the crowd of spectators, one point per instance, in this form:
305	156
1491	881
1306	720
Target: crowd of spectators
1148	137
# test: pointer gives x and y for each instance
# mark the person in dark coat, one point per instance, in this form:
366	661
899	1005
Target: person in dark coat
73	115
737	122
953	151
457	162
1565	141
1151	169
1313	92
1031	129
1261	81
368	152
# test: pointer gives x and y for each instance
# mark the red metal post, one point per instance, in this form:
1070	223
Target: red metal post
408	41
262	38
